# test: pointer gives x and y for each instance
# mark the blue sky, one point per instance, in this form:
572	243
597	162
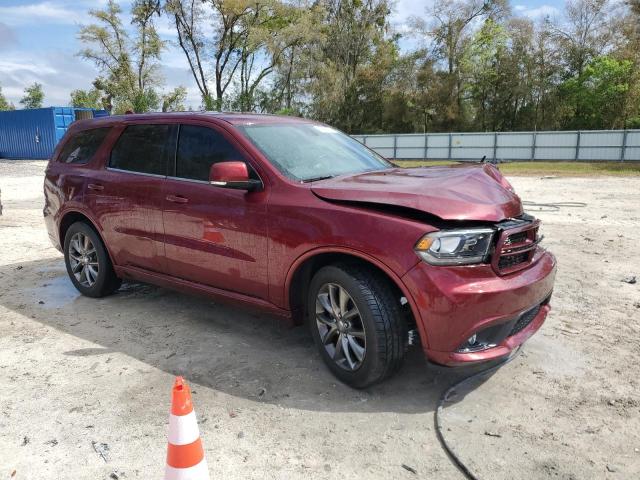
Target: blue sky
38	43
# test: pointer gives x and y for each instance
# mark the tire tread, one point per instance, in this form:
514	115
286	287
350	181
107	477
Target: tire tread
389	322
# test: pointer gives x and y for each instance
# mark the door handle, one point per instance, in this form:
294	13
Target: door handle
177	199
95	186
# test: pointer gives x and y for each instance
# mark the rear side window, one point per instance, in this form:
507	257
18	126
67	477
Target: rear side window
81	148
143	149
199	148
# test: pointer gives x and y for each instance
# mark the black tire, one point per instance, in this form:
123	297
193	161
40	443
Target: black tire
385	327
105	282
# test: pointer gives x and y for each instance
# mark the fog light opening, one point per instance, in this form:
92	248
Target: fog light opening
474	344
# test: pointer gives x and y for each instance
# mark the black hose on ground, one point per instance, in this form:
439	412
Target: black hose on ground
445	397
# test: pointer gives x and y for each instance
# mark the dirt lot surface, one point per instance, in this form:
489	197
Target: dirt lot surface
85	383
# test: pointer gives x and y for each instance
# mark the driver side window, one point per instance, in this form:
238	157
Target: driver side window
199	148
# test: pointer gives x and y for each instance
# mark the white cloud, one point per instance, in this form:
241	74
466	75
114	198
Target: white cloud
9	67
537	12
165	26
403	9
8	37
47	12
58	73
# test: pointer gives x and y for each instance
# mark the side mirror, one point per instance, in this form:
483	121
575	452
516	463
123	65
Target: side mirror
232	175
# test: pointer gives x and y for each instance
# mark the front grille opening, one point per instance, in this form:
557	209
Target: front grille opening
525	319
509	261
515	250
515	238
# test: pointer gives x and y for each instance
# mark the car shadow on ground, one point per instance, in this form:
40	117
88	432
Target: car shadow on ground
228	349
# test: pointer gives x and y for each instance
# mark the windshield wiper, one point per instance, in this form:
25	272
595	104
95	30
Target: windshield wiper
316	179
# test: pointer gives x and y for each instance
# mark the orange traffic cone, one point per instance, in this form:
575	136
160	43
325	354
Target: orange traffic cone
185	455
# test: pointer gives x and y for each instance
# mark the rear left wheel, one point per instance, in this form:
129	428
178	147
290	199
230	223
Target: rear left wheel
88	263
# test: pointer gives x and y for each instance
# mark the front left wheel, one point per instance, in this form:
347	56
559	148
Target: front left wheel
88	264
356	321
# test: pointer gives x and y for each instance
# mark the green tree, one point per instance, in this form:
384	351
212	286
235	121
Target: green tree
129	65
250	48
449	31
86	98
221	50
480	68
585	34
33	96
275	32
482	62
4	103
174	100
190	23
340	82
599	94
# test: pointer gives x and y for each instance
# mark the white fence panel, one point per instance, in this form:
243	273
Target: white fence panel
557	139
411	141
437	153
601	139
555	153
385	152
616	145
513	153
633	138
632	153
410	153
471	153
519	140
379	141
438	140
472	140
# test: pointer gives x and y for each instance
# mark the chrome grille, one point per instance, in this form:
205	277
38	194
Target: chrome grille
516	246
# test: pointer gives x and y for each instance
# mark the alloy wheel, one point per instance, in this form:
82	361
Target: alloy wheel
340	326
83	259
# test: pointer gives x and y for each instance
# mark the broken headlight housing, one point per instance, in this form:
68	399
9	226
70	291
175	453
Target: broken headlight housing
455	247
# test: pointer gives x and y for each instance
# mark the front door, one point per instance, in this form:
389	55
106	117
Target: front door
213	236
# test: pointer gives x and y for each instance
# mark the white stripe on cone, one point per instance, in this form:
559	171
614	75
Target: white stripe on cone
197	472
183	429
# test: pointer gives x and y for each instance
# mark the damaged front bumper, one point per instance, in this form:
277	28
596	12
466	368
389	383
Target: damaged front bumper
456	304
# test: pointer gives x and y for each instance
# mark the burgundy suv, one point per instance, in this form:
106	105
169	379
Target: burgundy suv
300	220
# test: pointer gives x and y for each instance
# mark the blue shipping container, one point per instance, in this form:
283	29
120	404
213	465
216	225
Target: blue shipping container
34	133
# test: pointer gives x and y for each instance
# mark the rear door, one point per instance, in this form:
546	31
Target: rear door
127	195
214	236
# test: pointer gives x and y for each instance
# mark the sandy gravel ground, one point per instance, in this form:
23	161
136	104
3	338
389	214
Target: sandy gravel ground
84	384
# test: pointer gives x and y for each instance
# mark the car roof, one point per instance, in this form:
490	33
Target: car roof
233	118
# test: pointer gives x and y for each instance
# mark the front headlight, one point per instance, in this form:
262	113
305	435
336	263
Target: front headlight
455	247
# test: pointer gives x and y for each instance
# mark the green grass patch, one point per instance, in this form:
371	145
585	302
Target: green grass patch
566	169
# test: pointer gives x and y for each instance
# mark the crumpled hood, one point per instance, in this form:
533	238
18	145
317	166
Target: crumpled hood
466	192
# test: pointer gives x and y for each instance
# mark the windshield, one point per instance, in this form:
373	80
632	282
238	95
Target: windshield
307	152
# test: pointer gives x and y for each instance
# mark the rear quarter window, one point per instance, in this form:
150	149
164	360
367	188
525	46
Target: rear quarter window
82	146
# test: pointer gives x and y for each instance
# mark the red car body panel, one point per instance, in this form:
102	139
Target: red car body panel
450	193
246	247
477	296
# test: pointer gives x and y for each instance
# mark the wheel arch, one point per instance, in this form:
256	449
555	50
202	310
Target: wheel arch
72	216
303	269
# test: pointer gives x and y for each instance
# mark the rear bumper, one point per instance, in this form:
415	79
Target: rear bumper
52	229
52	203
455	303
